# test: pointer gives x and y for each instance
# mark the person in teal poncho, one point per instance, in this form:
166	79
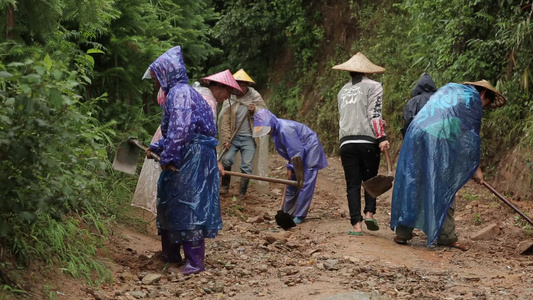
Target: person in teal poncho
440	153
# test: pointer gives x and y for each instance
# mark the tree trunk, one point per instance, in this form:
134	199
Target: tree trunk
10	22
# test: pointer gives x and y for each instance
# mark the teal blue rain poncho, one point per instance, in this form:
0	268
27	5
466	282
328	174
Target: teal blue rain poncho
440	153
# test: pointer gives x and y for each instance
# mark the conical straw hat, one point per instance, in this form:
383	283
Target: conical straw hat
224	78
499	99
242	76
359	63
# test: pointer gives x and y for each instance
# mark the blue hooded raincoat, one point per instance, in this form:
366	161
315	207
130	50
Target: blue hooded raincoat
188	205
440	153
295	139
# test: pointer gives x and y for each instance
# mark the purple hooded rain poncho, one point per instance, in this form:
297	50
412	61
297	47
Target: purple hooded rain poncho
292	139
188	206
440	153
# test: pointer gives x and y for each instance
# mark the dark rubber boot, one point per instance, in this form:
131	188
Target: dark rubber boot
244	186
194	257
170	252
224	185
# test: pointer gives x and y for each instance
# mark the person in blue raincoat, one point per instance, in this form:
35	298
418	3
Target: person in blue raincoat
440	153
294	139
188	207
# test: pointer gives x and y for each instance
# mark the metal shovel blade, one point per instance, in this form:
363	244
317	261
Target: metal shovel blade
126	158
284	220
378	185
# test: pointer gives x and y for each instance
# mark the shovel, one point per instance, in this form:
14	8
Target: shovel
128	154
231	139
528	249
298	166
379	184
283	219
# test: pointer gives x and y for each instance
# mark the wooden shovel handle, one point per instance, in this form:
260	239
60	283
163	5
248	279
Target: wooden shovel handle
387	158
270	179
511	205
283	197
156	157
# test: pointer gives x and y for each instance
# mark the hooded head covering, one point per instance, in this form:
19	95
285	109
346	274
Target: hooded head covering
424	85
360	64
264	120
499	99
169	69
241	75
224	78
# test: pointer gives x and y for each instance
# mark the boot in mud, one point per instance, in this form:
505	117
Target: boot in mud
224	185
194	257
170	252
243	188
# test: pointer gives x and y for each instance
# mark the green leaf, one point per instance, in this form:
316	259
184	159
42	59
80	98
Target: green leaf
55	97
16	64
6	120
41	123
87	79
90	59
4	74
47	62
39	69
57	74
26	89
95	51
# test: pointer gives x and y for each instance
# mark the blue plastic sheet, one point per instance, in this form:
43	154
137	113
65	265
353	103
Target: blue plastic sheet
440	153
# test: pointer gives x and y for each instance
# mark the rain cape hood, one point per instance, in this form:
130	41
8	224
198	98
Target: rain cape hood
292	138
440	153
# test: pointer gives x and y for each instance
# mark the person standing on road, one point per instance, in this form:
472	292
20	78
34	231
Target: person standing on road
440	153
188	206
294	139
424	88
235	125
362	136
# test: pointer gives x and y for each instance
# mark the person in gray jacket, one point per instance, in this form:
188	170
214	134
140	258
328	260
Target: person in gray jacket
424	88
362	136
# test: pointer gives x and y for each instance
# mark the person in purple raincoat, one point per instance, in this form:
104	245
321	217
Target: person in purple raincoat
188	206
294	139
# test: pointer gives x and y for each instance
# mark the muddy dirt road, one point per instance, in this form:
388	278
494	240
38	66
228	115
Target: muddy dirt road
254	259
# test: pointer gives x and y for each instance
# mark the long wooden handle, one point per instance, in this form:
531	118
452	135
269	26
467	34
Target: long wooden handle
231	138
387	158
283	197
153	155
270	179
507	202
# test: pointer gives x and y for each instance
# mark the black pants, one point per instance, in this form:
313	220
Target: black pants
360	162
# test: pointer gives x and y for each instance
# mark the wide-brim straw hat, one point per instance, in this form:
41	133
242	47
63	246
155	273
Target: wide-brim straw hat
224	78
499	99
360	64
241	75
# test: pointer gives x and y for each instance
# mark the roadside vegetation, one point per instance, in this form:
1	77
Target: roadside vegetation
70	91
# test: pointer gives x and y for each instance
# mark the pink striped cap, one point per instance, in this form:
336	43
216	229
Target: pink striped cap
226	78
